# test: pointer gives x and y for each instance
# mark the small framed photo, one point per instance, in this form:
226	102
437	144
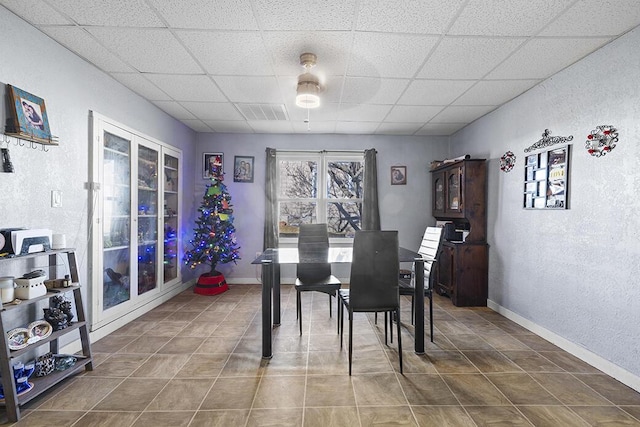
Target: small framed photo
29	115
398	175
243	169
212	165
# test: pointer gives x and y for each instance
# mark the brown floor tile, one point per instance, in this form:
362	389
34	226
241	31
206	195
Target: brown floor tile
611	389
451	362
497	416
329	390
412	363
283	417
132	395
81	394
449	327
426	389
181	345
442	416
203	365
552	416
243	364
181	395
166	328
119	365
504	342
111	343
531	361
231	393
634	411
286	364
569	390
521	389
161	366
280	392
605	416
136	328
491	361
378	390
173	418
50	418
333	416
569	362
469	342
328	363
220	418
104	419
474	389
145	345
387	415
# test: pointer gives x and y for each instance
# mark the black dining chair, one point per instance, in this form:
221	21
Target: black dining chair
313	244
429	250
373	285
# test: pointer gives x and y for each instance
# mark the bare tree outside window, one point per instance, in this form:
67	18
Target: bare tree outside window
301	202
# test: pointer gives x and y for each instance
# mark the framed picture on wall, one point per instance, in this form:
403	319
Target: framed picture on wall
398	175
212	164
243	168
29	115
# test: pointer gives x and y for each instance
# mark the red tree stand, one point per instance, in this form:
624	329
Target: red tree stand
211	285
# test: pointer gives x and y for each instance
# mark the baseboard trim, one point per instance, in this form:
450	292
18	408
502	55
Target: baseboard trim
598	362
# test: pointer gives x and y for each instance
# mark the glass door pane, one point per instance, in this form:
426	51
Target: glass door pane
147	219
170	218
116	225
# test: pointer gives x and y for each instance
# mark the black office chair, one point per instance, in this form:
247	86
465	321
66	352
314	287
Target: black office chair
430	250
373	285
313	242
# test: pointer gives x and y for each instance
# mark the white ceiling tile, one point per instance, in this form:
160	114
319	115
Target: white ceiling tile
83	44
139	84
303	15
363	113
250	89
425	16
440	128
266	126
197	125
371	90
434	92
412	113
331	48
366	128
188	87
215	111
388	55
331	88
494	92
506	18
326	112
398	128
314	127
174	109
467	57
114	13
461	114
596	18
35	12
541	57
228	53
207	14
148	50
229	126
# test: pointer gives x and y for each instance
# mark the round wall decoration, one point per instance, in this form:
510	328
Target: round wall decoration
507	161
601	140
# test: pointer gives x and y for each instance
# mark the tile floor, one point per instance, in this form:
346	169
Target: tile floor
196	361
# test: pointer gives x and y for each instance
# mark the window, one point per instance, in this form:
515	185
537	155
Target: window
324	187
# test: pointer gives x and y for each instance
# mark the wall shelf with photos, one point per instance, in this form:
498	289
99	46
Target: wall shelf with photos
546	179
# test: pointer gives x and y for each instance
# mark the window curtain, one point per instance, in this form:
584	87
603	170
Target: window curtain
370	210
271	206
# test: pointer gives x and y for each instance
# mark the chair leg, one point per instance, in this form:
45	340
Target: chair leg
431	316
350	339
399	339
299	311
385	328
330	314
341	316
413	309
390	325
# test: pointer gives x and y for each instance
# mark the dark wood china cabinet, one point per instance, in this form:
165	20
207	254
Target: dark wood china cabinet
459	197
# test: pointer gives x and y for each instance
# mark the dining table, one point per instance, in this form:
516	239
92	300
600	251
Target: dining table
272	258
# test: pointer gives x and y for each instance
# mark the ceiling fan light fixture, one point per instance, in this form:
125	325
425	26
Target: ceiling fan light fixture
308	91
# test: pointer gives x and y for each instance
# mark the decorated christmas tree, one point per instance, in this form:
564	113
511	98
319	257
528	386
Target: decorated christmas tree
214	241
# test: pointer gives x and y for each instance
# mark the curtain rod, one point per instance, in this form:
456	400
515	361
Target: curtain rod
318	151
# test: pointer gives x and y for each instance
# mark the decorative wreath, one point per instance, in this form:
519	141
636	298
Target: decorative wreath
601	140
507	161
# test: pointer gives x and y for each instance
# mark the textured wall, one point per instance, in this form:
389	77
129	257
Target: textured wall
71	88
405	208
575	272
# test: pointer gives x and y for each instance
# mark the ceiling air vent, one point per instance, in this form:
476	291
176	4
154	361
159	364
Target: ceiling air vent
270	112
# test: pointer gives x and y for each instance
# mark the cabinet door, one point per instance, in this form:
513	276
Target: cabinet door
147	218
438	193
116	217
446	270
171	266
455	200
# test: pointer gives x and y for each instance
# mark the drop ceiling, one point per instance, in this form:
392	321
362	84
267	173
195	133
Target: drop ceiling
399	67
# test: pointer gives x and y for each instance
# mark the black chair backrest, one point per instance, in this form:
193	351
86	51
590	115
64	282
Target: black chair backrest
373	284
313	242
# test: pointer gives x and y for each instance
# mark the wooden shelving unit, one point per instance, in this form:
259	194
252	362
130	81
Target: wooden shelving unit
12	401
